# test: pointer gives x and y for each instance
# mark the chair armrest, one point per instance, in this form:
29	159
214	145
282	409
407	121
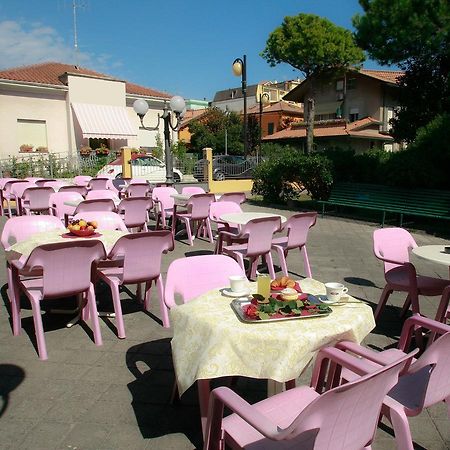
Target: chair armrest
418	321
225	396
361	351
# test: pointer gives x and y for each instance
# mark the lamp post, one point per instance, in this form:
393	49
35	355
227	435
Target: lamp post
263	99
178	107
240	70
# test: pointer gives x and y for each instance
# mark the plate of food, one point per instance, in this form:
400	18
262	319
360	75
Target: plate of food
279	307
82	228
284	282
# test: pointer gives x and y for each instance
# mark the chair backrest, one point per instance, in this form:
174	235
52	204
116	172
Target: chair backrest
260	233
198	205
33	179
38	198
7	186
82	190
100	204
136	210
98	183
345	417
428	378
106	220
195	275
297	227
101	193
17	189
138	190
41	182
3	181
56	185
190	190
19	228
216	209
142	254
57	199
236	197
66	266
82	180
392	244
163	194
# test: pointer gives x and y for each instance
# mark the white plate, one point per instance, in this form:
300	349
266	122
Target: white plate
229	293
324	299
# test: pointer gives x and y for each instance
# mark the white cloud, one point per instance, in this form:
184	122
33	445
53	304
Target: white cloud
30	43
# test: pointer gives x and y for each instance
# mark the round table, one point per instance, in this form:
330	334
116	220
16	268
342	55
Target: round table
434	253
243	217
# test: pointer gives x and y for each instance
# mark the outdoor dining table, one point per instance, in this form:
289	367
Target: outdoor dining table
433	253
241	218
209	341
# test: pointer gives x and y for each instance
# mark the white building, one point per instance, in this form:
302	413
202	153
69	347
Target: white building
64	107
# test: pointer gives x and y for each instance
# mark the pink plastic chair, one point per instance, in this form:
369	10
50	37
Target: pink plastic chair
191	190
100	204
56	185
138	190
16	193
163	204
102	193
82	180
3	182
82	190
37	200
41	182
392	246
20	228
236	197
344	418
98	183
197	213
59	279
57	206
33	179
258	234
216	210
106	220
424	383
196	275
140	258
136	210
297	227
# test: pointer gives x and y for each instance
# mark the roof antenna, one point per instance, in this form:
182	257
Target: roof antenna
76	5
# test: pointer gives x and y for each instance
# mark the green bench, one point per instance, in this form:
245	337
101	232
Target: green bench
388	199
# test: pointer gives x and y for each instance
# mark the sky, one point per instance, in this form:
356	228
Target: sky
181	47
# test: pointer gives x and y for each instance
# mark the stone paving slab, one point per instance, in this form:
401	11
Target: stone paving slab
117	396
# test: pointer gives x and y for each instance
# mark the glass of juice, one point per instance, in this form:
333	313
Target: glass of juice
263	285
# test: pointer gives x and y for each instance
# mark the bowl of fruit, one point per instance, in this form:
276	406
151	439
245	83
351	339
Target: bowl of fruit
82	228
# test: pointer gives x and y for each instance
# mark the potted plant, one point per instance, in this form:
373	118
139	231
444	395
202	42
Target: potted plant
103	150
26	148
42	149
85	150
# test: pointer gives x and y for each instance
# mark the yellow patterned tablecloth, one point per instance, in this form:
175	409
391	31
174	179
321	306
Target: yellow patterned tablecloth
209	341
108	237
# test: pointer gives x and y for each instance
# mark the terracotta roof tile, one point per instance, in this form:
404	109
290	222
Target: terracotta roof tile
51	73
391	76
278	106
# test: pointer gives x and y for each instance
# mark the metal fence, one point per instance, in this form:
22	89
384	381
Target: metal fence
227	167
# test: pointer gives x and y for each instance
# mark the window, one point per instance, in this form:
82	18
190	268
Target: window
270	128
321	117
354	114
351	84
339	85
32	132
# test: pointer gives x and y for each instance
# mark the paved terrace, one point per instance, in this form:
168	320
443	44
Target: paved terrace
117	396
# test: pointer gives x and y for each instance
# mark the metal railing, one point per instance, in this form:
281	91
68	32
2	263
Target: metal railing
227	167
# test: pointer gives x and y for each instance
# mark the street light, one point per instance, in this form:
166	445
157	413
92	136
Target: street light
263	99
240	70
178	107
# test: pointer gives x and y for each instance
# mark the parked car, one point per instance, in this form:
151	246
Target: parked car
226	166
143	166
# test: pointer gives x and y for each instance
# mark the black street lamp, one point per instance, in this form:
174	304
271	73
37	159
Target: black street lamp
240	70
178	107
263	100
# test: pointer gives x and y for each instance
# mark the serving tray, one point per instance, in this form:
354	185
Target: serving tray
237	304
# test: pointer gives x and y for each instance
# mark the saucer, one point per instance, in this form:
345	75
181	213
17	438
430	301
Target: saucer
229	293
324	299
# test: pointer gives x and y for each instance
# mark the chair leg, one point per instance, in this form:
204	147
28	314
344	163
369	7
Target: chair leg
188	231
147	295
162	305
269	262
209	230
92	305
118	309
252	269
387	291
402	431
282	259
39	330
405	306
306	261
442	310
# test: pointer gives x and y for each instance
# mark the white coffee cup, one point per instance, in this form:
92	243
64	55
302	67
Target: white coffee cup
237	283
335	291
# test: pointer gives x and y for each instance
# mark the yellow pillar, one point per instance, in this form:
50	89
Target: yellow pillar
208	168
126	163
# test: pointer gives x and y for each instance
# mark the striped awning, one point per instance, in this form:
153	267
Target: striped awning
104	121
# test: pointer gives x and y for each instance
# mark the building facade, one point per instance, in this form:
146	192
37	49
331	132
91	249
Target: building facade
63	108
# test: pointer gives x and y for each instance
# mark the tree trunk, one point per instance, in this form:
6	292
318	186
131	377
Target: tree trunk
310	103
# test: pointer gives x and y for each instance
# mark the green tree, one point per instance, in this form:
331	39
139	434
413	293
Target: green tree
416	36
316	47
210	129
